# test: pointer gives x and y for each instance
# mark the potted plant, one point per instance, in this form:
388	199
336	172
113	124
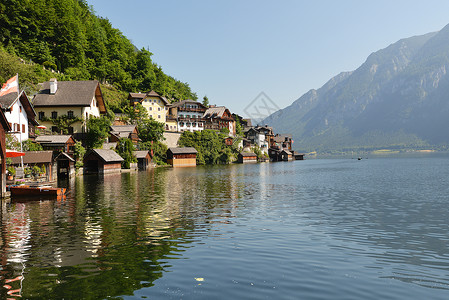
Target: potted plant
35	171
11	172
27	172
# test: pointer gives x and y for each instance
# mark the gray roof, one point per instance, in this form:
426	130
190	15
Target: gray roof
107	155
52	139
247	154
68	93
286	151
34	157
7	100
141	154
185	150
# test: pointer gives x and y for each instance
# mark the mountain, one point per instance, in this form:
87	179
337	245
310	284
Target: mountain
397	99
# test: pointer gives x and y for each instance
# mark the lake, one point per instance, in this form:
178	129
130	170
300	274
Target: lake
317	229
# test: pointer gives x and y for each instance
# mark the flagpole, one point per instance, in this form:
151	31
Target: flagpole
20	123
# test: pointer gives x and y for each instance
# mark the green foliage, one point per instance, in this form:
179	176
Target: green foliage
210	146
12	142
63	122
205	101
159	151
65	35
135	114
125	149
79	153
97	132
150	130
29	145
11	170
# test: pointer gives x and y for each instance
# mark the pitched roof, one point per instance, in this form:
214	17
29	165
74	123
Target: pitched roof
34	157
215	112
53	139
8	100
286	151
106	155
70	93
247	154
136	95
141	154
142	96
188	101
64	156
184	150
123	128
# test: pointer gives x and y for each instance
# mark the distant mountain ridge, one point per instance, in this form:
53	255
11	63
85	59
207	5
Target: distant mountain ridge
398	99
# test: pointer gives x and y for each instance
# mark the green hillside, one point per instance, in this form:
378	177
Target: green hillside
65	36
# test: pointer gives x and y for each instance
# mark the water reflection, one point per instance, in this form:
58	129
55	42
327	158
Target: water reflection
121	233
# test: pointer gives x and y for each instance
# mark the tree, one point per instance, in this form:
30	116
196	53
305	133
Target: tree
29	145
205	101
125	149
79	153
97	132
150	130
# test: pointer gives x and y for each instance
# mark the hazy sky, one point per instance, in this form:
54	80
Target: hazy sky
233	50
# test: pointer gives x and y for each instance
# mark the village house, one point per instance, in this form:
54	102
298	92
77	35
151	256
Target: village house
57	143
155	104
182	157
188	115
219	117
260	136
102	161
247	157
70	99
282	141
4	128
20	115
40	159
143	159
124	131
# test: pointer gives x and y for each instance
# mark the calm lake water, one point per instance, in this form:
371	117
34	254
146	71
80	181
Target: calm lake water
316	229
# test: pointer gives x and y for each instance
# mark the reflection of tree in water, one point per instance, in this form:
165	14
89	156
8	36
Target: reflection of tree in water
114	234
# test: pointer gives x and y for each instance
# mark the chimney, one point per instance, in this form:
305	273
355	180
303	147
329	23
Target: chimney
53	86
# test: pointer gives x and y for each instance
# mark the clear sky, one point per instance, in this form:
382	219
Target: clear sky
232	50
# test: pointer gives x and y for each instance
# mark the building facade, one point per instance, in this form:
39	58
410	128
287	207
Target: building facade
78	100
188	115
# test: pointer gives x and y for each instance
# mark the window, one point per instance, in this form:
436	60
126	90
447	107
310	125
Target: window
188	125
70	114
159	109
41	115
158	116
54	129
70	129
23	128
54	114
193	124
150	108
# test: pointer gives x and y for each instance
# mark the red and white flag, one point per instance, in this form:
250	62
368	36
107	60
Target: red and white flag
12	85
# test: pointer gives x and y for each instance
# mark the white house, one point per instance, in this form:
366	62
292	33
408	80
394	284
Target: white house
20	115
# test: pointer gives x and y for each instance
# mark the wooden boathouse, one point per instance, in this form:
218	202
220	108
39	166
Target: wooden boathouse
182	157
247	157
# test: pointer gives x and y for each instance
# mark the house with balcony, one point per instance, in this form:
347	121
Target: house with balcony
219	117
20	115
188	115
78	100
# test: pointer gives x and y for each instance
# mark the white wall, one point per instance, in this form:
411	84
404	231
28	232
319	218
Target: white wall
16	117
